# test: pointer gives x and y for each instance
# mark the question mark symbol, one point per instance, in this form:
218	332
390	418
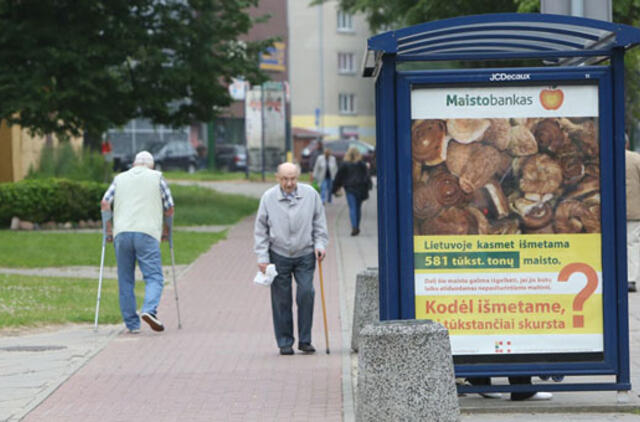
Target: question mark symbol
583	295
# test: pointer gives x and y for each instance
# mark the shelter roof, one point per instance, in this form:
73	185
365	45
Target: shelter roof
559	39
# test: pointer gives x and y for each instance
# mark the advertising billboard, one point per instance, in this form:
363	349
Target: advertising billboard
272	115
506	216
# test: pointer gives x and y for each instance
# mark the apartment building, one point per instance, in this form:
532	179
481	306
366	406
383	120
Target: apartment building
320	68
327	93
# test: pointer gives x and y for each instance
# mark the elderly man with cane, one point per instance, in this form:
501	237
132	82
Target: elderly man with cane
291	232
140	198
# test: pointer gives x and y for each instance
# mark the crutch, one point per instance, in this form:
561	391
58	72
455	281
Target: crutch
106	216
169	222
324	308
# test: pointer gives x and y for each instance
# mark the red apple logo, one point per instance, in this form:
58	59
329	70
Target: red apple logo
551	98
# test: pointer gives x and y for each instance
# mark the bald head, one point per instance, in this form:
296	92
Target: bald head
287	176
288	168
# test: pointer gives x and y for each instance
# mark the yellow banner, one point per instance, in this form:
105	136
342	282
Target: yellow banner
531	253
514	314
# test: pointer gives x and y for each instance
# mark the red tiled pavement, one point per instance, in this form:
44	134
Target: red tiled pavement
223	365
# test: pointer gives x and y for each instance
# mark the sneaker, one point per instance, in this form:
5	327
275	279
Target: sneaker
134	331
306	348
541	395
153	321
286	350
491	395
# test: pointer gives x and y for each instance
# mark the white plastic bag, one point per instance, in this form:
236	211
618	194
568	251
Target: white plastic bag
266	278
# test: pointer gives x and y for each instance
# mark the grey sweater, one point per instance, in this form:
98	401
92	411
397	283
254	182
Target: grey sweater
290	227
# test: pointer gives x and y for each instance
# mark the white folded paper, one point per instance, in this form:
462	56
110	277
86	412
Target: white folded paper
266	278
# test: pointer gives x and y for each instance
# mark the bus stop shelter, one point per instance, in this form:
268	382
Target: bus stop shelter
501	192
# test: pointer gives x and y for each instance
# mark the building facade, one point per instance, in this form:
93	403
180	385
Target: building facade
21	150
317	59
327	93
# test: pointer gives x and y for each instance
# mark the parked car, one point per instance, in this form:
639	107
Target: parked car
174	155
122	162
231	157
338	149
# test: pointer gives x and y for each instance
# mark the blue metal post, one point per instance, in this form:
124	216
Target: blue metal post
617	64
388	246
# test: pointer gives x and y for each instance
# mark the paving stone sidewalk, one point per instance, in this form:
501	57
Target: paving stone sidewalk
34	365
222	366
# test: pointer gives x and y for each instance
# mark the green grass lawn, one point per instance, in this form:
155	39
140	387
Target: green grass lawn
204	175
41	249
196	206
27	301
36	301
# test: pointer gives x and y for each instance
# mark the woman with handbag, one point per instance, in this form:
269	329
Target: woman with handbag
353	175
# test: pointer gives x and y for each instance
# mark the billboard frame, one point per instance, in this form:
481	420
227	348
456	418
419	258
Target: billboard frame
496	37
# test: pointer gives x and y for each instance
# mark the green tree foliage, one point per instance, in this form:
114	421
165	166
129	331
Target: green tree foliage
628	12
67	66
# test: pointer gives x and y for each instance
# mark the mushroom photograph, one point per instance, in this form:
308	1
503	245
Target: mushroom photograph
505	176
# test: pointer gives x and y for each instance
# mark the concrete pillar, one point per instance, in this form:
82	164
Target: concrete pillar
405	373
366	306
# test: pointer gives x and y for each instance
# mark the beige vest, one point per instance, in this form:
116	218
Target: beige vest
138	202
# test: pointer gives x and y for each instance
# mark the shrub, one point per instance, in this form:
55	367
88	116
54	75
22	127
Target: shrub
64	162
45	200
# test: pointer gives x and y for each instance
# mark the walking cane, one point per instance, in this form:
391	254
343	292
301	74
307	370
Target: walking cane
106	216
324	308
169	221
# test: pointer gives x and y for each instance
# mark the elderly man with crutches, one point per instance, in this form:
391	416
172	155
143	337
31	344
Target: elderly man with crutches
141	203
291	232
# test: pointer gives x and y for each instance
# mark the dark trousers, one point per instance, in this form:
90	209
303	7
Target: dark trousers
512	381
302	269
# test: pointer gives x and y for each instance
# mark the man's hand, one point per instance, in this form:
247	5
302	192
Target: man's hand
320	254
262	266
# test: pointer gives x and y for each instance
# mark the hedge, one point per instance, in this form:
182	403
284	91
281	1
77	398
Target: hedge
44	200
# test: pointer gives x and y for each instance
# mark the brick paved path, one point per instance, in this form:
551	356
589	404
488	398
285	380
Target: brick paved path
223	365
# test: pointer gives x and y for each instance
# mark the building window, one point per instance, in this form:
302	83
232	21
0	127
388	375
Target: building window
345	21
347	103
346	63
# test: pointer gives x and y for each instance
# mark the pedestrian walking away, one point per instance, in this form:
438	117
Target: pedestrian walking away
353	175
632	161
291	232
141	200
324	171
